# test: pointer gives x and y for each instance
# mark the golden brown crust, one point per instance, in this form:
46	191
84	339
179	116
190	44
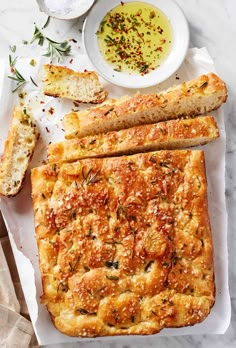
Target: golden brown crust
124	243
189	99
18	151
79	86
171	134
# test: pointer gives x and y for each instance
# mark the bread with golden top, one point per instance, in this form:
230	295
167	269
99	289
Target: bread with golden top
173	134
198	96
82	87
19	147
124	243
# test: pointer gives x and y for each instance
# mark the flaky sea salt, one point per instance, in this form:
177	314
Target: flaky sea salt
64	7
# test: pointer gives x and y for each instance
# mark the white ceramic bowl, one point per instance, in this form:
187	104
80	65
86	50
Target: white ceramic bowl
63	9
180	32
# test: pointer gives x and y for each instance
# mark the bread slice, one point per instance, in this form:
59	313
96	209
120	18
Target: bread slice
63	82
195	97
18	150
174	134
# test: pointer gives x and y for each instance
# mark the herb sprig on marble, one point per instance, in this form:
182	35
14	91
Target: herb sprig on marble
20	80
54	49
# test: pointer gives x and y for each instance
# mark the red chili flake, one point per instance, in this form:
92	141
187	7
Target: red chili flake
85	70
159	29
47	129
44	162
71	61
158	49
163	41
73	40
177	77
43	110
122	3
76	103
12	70
51	111
42	102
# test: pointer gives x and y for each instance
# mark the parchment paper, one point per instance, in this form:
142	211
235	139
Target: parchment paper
18	214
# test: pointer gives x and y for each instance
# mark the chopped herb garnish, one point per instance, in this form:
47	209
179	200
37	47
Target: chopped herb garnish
204	85
148	266
82	311
63	287
89	178
73	214
111	277
108	111
73	266
114	264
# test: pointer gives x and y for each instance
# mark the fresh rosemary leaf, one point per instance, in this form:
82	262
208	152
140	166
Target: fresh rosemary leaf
13	48
33	81
82	311
12	61
38	36
110	264
21	81
111	277
89	178
46	23
57	49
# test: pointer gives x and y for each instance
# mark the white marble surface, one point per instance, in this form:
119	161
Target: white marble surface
213	25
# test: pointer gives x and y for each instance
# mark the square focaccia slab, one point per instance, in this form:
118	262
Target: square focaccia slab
124	243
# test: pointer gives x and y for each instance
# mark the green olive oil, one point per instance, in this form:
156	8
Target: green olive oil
135	38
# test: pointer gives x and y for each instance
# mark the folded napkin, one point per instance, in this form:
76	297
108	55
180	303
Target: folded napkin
15	329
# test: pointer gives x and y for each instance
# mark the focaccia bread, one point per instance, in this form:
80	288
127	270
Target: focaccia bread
63	82
124	243
189	99
18	150
173	134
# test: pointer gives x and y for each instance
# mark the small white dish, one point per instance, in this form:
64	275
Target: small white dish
180	38
65	9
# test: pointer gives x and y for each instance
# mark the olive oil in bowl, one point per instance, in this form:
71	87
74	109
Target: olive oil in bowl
135	38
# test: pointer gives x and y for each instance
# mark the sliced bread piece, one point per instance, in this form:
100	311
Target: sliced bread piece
63	82
19	147
195	97
173	134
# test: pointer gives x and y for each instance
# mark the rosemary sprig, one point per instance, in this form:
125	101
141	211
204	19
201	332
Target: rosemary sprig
89	178
38	36
21	81
12	62
55	49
